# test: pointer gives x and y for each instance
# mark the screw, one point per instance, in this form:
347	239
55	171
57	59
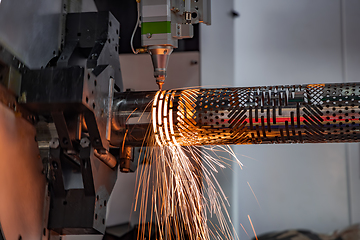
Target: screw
54	143
85	143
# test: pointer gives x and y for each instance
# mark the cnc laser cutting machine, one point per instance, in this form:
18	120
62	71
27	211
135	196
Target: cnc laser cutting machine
67	123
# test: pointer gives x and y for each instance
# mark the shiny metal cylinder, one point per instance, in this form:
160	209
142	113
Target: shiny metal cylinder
126	157
131	118
312	113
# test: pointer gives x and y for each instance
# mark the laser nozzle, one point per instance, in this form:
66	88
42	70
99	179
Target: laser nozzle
160	57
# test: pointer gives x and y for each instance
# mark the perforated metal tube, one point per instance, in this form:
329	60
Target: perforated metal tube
313	113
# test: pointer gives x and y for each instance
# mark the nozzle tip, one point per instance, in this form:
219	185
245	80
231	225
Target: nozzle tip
160	81
160	84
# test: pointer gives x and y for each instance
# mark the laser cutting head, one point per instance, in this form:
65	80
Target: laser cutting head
160	59
163	23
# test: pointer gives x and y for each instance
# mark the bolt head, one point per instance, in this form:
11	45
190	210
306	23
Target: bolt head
54	143
85	143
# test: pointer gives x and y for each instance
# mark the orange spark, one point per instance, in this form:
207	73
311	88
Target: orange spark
254	194
183	182
123	145
245	230
253	227
130	114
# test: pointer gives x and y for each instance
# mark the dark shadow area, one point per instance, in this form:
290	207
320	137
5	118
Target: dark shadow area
1	234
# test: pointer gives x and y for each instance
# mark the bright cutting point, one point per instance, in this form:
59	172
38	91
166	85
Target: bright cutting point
160	84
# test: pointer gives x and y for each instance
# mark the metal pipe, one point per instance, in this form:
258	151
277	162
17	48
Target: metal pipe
131	118
312	113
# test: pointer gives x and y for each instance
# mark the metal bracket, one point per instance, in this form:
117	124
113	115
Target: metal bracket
62	130
76	211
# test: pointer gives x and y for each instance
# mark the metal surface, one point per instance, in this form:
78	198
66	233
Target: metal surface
131	118
97	32
22	183
106	158
72	91
202	8
76	94
313	113
31	30
80	210
83	81
126	158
